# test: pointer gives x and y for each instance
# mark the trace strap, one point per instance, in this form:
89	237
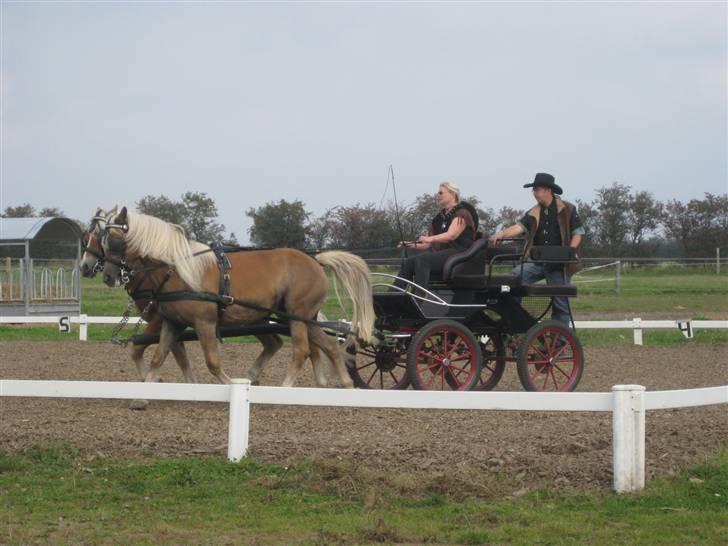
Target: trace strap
226	300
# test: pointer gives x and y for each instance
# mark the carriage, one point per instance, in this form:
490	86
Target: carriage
461	331
458	333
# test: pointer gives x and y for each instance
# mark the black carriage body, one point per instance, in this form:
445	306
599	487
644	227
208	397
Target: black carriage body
461	331
487	304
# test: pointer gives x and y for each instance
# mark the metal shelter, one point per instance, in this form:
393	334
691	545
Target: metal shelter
39	266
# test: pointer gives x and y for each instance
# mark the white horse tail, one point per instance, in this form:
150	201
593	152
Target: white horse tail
352	273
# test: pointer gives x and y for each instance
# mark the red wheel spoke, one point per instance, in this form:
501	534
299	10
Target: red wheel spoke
394	377
553	377
545	381
369	381
425	356
568	376
365	365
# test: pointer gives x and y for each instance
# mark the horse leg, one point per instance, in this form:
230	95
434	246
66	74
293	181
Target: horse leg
271	345
137	355
319	363
299	340
331	349
167	336
207	334
180	355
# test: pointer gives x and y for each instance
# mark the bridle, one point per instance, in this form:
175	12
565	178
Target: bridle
100	256
116	246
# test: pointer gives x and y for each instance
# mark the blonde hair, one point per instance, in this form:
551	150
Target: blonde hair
453	188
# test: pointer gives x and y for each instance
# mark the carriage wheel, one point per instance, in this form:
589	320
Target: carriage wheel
379	368
444	355
550	358
494	363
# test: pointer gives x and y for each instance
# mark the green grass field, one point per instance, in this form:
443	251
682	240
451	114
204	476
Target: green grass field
55	496
648	292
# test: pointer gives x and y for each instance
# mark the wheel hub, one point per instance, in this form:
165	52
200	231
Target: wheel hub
386	360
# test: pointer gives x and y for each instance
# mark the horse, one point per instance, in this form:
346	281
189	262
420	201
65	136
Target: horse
139	290
285	280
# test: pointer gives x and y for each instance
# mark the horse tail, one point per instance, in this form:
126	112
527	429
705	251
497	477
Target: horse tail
352	273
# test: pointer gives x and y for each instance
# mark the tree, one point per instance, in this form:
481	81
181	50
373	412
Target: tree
319	230
643	218
281	224
25	210
196	213
162	207
587	215
200	215
698	227
611	223
507	216
362	227
51	213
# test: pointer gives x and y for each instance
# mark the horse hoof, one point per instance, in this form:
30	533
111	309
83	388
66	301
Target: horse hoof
139	405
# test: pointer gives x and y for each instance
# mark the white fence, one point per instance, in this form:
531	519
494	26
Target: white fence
628	404
637	325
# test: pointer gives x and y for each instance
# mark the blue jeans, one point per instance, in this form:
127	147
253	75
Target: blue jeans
533	272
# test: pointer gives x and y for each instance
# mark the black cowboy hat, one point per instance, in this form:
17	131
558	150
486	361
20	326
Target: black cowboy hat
545	180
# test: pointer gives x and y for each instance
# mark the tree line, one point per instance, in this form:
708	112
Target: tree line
618	222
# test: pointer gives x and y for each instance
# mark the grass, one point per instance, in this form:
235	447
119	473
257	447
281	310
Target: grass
55	495
647	292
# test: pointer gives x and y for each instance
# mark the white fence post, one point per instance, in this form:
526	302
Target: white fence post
637	327
618	277
83	327
239	419
628	438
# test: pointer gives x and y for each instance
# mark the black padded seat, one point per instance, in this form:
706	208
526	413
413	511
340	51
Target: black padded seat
476	282
467	262
567	290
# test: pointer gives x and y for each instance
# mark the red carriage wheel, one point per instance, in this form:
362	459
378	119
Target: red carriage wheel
379	367
493	364
444	355
550	358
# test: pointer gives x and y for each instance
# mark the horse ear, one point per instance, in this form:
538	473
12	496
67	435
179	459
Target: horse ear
121	218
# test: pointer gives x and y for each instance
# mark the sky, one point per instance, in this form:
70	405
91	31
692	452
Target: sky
103	103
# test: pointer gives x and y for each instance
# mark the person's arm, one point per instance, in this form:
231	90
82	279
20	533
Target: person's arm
417	245
513	231
454	231
575	240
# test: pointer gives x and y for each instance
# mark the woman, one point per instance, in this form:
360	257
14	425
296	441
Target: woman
451	231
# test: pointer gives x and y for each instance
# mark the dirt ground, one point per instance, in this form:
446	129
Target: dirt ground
468	452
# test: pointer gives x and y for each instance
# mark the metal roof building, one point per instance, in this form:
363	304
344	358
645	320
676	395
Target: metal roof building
38	266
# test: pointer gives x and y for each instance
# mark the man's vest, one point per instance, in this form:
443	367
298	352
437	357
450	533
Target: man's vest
564	210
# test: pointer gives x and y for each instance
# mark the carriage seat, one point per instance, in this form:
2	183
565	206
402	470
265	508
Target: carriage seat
470	261
467	269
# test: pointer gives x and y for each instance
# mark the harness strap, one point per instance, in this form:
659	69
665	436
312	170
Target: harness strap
229	300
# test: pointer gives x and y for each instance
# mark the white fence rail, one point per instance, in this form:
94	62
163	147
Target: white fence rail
637	325
628	404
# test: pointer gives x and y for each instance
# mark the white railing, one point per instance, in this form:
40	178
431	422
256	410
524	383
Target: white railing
637	325
628	404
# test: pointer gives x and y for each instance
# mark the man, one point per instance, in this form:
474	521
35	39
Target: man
552	221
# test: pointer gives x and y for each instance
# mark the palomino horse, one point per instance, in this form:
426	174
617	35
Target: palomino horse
284	279
139	289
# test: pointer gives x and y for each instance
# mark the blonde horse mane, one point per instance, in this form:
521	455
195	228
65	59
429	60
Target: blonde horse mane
152	238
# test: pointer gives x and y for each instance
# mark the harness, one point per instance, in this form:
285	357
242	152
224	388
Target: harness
223	299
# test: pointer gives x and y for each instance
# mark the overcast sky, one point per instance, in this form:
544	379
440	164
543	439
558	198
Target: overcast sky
103	103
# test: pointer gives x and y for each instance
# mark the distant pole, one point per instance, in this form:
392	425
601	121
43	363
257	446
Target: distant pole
619	277
717	261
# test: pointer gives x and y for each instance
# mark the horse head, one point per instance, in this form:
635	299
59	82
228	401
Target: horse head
92	260
114	247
